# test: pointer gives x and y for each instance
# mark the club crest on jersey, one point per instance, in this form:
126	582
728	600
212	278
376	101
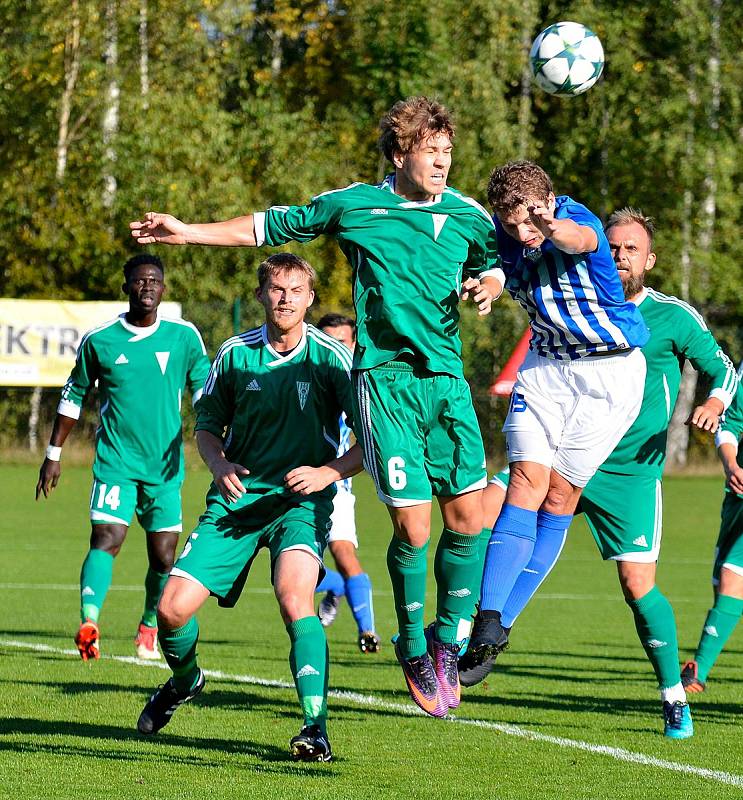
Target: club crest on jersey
303	391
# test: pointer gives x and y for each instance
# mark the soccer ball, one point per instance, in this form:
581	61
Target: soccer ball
566	59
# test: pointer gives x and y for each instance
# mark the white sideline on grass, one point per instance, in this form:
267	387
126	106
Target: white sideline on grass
618	753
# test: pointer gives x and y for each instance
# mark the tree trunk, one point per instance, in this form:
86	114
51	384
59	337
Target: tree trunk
71	71
525	98
144	58
111	108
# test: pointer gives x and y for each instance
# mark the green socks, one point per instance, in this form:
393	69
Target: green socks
656	627
95	579
458	570
720	623
179	649
154	583
308	660
407	566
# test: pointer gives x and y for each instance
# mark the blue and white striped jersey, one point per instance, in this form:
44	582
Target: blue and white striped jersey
575	302
344	445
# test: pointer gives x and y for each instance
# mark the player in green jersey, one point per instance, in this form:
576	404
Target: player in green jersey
415	245
622	502
267	427
142	363
727	574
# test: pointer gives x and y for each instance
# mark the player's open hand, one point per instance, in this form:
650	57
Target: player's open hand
159	229
227	480
479	293
48	477
707	416
306	480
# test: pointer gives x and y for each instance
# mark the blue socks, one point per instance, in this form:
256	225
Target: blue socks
509	550
332	582
552	530
359	596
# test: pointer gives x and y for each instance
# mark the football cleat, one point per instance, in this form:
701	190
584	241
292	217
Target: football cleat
88	640
369	642
146	643
690	678
488	640
445	663
310	744
423	685
327	611
163	704
677	719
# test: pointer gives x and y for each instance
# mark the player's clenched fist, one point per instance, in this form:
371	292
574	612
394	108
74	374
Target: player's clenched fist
159	229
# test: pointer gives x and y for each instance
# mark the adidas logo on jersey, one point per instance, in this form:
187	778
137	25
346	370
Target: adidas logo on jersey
710	630
641	541
656	643
253	386
306	670
415	606
377	211
122	359
459	593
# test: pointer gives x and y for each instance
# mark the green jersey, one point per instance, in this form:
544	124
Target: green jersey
731	429
677	333
275	412
141	374
408	260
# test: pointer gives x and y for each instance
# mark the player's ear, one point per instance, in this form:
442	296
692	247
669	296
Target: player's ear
125	287
312	298
551	201
650	262
398	159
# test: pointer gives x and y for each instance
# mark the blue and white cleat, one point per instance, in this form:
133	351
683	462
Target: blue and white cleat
678	724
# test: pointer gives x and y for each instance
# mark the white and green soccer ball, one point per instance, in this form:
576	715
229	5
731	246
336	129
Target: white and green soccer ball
566	59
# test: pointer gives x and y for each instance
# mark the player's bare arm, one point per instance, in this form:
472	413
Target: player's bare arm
482	292
707	416
51	469
306	480
157	228
225	473
728	453
565	234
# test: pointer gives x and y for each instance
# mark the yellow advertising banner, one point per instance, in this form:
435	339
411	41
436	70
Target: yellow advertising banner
39	338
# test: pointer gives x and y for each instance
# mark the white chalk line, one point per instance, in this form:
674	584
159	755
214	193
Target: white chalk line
617	753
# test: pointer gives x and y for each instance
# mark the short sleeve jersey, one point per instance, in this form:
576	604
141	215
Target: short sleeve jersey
408	261
731	429
677	333
575	302
275	412
141	375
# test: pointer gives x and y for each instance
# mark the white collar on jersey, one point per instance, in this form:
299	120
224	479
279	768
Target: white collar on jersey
389	182
640	297
279	358
139	333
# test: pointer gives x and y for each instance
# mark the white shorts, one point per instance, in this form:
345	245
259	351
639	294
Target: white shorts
570	415
343	519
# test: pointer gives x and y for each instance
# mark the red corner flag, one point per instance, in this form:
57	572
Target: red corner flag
504	382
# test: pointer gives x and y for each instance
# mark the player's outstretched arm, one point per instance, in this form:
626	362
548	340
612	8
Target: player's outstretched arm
707	416
565	234
51	469
306	480
157	228
225	473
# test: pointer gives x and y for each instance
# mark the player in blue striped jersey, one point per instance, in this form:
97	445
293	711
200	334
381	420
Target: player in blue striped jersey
350	581
579	388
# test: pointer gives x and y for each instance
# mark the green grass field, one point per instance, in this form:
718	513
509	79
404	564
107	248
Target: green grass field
571	712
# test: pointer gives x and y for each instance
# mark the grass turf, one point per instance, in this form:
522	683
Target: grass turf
575	672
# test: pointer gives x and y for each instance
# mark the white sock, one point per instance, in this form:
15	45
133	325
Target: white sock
673	694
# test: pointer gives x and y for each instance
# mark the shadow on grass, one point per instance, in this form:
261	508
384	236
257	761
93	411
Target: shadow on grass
164	749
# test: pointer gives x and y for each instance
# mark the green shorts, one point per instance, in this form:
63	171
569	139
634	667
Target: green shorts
625	515
157	506
729	552
220	551
419	434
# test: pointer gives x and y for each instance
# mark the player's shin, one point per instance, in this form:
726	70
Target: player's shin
154	583
308	660
407	567
179	649
359	593
95	580
720	623
458	573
